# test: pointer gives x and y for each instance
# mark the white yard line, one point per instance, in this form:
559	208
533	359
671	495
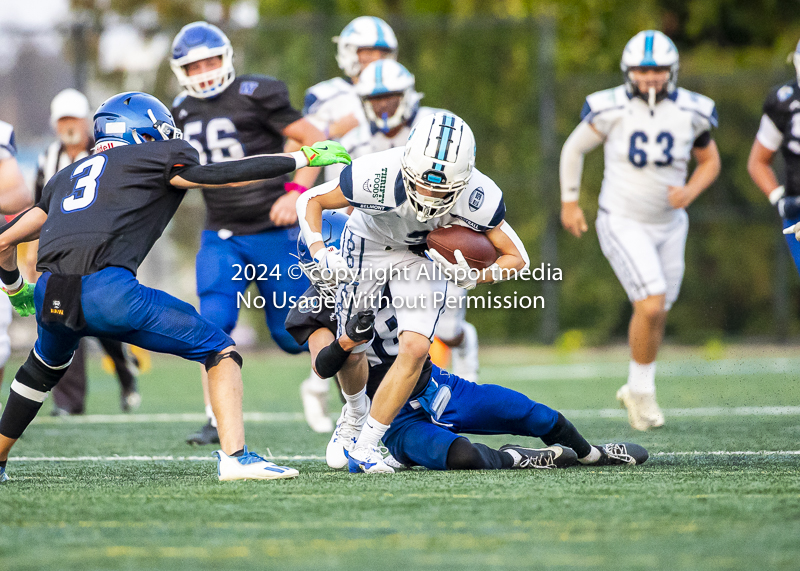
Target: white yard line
268	417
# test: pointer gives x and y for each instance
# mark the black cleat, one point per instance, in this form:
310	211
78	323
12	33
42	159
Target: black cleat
615	454
540	458
206	435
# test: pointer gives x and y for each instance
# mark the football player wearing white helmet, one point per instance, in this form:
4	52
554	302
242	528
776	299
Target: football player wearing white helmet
650	129
399	196
780	131
391	103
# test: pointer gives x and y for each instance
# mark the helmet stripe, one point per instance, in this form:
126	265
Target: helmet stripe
448	122
379	86
648	48
380	42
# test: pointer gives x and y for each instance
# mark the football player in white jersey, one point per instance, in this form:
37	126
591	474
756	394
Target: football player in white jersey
399	196
333	106
391	104
650	129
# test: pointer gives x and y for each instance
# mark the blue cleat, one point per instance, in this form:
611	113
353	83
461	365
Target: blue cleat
366	460
3	476
250	466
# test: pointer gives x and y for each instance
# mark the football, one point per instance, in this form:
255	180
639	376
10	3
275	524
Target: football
476	247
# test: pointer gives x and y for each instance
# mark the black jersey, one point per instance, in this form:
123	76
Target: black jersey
246	119
783	108
110	208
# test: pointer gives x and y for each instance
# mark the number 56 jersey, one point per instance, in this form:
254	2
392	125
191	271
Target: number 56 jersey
647	151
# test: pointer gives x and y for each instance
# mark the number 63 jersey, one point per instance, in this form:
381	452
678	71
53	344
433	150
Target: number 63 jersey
647	151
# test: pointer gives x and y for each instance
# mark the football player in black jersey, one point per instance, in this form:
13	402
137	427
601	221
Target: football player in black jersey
96	222
780	131
227	117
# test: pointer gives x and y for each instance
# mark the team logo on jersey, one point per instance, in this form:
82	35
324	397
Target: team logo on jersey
248	87
794	105
309	304
183	113
377	186
476	199
785	92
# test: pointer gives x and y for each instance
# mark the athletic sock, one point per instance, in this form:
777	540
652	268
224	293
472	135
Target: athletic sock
642	378
3	463
357	404
317	384
20	410
466	455
592	457
372	433
565	433
238	453
211	417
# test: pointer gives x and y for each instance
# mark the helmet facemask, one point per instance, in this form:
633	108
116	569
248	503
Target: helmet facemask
426	206
384	122
210	83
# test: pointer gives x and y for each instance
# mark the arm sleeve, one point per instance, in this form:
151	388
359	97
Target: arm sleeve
768	134
582	140
273	99
258	167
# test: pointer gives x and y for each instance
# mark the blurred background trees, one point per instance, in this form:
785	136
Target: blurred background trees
517	71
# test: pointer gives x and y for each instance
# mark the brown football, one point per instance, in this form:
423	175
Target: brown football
476	247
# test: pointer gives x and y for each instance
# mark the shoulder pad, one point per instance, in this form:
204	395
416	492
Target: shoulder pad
7	142
700	104
781	96
319	94
374	183
480	206
606	100
180	98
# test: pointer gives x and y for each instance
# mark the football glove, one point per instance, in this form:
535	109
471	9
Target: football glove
459	273
22	299
333	268
361	326
326	153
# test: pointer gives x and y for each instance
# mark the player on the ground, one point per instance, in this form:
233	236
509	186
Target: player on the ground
780	131
226	117
650	129
399	196
392	106
427	431
14	198
96	222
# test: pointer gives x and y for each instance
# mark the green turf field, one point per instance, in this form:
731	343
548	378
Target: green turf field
710	497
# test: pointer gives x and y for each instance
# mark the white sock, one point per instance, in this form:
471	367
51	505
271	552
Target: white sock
317	384
210	415
642	378
372	433
591	457
357	404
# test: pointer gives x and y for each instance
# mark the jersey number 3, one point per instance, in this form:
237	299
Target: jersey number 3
85	191
638	156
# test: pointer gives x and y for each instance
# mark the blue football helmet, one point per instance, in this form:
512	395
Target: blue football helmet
332	227
195	42
132	118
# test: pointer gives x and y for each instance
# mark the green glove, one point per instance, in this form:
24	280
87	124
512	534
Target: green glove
22	300
326	153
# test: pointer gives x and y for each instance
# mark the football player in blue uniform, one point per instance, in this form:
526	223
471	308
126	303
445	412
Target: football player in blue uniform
225	117
428	430
96	222
780	131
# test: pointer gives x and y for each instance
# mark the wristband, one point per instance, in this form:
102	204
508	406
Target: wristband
313	238
776	195
300	159
290	186
11	279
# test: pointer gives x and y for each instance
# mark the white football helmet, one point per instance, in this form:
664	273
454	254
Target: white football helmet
439	158
363	32
195	42
387	77
650	48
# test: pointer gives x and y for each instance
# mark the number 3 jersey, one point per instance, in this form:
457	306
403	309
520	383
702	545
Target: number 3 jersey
110	208
647	152
780	129
373	184
246	119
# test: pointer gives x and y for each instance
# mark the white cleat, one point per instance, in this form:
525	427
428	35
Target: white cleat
465	356
315	406
344	438
393	463
250	466
643	411
367	460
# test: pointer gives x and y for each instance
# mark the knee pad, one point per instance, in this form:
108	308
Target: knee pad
214	358
38	375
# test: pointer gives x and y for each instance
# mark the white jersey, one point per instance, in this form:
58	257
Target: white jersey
382	213
332	100
378	141
645	153
8	148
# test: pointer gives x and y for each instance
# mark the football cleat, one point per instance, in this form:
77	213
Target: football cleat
130	401
540	458
367	460
643	411
344	438
395	464
465	356
315	406
250	466
3	476
206	435
615	454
